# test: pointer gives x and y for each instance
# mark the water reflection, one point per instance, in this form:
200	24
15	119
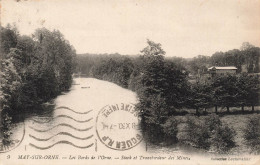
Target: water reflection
69	119
42	112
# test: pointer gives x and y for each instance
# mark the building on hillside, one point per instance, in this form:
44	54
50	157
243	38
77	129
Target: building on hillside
222	70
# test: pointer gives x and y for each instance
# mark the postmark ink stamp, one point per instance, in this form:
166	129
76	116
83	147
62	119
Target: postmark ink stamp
117	126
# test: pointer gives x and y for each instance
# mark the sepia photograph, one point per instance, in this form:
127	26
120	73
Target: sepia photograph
130	82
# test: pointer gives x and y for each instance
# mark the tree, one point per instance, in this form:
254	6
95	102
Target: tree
153	111
56	53
253	89
163	89
117	70
175	87
10	85
200	96
33	71
243	92
225	91
152	70
246	45
199	64
252	55
8	40
152	103
248	90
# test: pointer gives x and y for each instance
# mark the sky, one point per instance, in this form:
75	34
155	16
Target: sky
185	28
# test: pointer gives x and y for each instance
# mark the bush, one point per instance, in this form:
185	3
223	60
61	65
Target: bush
222	138
170	129
6	128
195	133
212	121
252	134
208	133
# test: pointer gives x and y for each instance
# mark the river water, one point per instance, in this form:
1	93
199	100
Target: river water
69	127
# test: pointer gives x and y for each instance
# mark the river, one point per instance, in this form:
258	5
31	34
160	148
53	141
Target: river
70	124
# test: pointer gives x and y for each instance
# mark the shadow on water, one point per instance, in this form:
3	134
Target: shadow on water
44	110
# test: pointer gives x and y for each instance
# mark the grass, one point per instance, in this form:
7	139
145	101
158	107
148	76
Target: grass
238	122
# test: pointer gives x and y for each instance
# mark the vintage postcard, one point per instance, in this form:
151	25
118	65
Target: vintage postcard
129	82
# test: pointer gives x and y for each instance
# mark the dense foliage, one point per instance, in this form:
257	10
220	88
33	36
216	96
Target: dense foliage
114	70
163	87
208	133
252	134
195	133
33	70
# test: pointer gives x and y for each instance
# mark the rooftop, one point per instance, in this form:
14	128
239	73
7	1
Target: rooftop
223	68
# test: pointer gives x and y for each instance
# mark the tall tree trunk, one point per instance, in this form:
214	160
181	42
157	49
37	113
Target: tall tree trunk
197	111
216	109
242	108
228	109
253	108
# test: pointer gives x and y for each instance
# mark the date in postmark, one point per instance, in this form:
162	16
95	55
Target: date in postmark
117	126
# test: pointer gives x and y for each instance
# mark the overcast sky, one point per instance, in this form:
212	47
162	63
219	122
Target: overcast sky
184	28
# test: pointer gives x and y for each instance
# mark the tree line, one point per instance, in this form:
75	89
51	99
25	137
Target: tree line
225	91
168	78
34	70
246	59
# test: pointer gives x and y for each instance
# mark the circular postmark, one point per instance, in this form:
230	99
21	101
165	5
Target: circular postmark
117	126
16	137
